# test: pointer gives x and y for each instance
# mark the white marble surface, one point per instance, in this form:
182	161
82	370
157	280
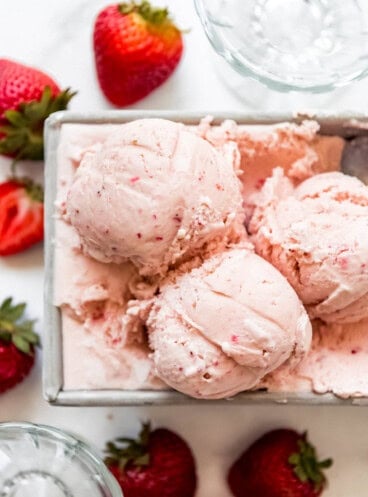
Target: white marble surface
56	36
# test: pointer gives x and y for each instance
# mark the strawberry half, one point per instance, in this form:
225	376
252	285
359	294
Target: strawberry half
158	464
21	216
27	97
136	47
17	344
282	463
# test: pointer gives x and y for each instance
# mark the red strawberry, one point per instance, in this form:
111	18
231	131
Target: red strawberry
282	463
17	342
27	98
137	47
21	215
158	464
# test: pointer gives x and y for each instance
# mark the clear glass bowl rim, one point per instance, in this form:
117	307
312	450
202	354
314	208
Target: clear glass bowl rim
265	79
85	452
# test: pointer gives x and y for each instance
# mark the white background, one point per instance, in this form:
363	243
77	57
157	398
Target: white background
55	35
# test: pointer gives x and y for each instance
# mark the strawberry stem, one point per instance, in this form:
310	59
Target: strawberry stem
14	328
128	450
34	191
22	133
306	465
153	15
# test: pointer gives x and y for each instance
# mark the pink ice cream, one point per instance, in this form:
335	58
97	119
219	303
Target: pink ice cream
337	363
297	148
104	343
154	194
92	361
218	329
317	236
98	350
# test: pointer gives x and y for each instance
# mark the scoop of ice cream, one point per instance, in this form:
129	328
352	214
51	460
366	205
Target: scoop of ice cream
218	329
154	194
317	236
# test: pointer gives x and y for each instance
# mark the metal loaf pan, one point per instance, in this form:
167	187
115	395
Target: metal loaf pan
347	125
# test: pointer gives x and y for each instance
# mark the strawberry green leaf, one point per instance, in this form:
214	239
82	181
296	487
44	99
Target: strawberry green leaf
142	460
294	459
15	118
16	312
34	191
5	336
153	15
14	141
306	465
129	451
300	473
14	328
6	326
29	336
21	136
6	304
21	344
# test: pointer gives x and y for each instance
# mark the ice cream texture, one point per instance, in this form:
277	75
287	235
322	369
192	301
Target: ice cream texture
317	235
153	194
94	297
98	352
298	148
337	363
218	329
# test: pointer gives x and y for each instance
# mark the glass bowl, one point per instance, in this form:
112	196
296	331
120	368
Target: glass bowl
40	461
302	45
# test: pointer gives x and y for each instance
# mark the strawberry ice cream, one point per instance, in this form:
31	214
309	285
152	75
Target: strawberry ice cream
218	329
154	194
317	236
217	319
297	148
93	296
98	352
337	363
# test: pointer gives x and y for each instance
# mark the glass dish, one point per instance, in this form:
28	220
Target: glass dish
300	45
40	461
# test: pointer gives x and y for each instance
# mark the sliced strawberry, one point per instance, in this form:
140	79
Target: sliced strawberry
21	216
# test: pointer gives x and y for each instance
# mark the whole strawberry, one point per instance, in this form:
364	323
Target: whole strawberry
27	97
158	464
282	463
21	215
17	342
137	47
